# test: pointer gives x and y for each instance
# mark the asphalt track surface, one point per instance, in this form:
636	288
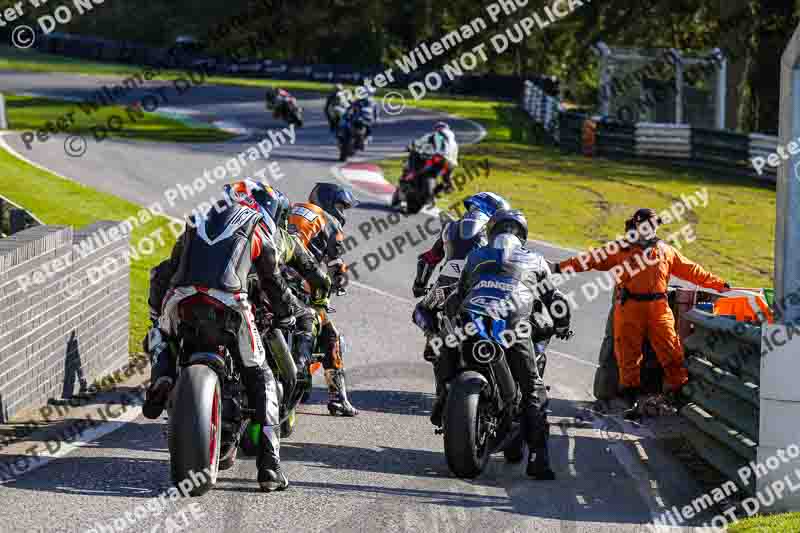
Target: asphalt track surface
383	470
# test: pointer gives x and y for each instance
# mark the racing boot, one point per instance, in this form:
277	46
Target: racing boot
337	393
539	465
538	433
303	352
270	474
162	374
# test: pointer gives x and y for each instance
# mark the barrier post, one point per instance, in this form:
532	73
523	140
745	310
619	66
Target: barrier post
780	360
3	120
720	94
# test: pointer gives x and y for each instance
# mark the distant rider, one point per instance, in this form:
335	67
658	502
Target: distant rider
336	106
318	223
441	141
278	101
529	296
215	255
365	109
457	240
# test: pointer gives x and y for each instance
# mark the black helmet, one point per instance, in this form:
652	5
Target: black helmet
333	199
508	221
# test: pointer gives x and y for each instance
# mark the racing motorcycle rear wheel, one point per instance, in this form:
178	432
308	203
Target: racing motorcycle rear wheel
195	429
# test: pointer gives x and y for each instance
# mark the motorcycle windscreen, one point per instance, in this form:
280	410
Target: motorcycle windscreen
488	328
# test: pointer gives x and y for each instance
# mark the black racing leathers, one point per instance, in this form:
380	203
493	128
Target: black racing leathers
505	281
219	254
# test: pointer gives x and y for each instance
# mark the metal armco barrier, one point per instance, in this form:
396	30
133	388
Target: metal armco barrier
764	146
720	147
716	150
570	127
615	139
723	358
673	141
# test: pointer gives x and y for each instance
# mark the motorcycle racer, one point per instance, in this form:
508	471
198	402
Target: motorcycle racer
215	255
318	224
455	243
441	141
517	282
336	106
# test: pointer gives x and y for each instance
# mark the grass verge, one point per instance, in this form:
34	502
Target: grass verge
57	201
579	202
779	523
27	113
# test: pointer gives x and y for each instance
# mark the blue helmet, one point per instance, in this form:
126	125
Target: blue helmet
486	202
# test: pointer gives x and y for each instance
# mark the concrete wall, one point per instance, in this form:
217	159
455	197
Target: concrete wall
64	316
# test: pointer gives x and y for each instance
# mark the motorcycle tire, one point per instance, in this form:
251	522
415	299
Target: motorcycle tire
196	428
465	456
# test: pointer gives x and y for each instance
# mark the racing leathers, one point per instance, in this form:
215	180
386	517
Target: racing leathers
335	107
455	243
506	281
365	111
214	256
443	142
322	236
296	260
279	102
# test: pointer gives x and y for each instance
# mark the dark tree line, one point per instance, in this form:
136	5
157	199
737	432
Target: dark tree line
366	32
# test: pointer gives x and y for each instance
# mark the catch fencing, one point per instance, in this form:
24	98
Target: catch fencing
61	324
723	357
717	150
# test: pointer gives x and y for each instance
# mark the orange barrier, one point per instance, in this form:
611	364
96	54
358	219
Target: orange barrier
745	305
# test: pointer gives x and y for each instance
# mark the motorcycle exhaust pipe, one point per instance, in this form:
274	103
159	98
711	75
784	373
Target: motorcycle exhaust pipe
283	355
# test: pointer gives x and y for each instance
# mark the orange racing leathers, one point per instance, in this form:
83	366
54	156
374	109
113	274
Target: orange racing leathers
322	235
643	272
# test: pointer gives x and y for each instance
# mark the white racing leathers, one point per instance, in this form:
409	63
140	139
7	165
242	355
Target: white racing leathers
440	142
251	348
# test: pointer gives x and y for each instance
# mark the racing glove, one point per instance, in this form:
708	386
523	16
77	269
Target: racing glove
286	323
